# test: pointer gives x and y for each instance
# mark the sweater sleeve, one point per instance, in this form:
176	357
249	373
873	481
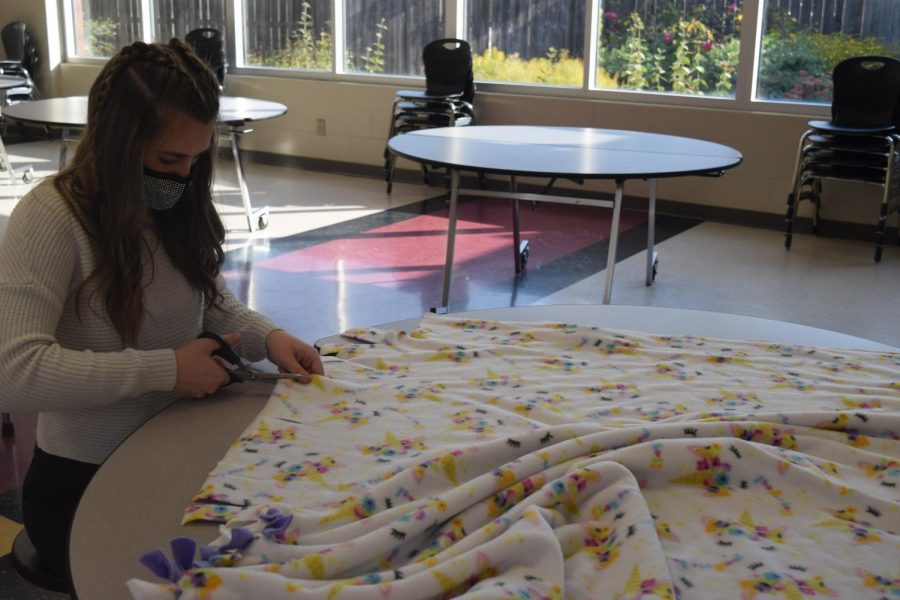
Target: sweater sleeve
38	256
231	315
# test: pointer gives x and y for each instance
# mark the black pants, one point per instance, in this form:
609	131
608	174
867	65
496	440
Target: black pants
50	496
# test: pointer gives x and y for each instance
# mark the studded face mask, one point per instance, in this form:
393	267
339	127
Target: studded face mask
162	191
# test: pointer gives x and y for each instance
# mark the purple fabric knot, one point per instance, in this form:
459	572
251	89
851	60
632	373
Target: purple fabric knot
276	522
226	554
183	549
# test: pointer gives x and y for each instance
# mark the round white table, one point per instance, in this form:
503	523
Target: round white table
136	500
561	152
69	113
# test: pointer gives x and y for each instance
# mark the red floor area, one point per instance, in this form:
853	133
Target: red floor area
415	248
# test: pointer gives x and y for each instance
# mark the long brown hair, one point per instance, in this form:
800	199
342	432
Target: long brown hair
130	103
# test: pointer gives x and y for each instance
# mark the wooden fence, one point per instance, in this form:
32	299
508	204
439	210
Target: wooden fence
527	27
864	18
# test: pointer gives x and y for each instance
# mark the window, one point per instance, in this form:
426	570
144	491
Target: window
802	44
680	47
175	18
289	34
387	36
98	28
537	42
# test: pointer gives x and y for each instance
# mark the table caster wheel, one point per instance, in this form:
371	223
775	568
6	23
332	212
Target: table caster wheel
524	251
263	221
28	176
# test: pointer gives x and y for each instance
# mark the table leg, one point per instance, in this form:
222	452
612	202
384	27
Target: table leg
258	216
613	240
451	236
6	165
517	236
63	147
651	224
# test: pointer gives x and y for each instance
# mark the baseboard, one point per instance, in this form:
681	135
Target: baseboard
674	208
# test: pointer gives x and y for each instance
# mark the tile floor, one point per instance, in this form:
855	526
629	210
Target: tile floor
340	253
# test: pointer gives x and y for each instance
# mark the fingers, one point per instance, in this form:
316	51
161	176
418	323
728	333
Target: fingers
232	338
315	365
295	368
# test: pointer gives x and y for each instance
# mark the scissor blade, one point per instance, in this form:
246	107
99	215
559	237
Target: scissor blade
274	376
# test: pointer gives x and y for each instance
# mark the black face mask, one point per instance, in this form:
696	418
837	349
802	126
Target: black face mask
162	191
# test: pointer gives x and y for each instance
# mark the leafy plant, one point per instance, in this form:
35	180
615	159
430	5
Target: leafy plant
687	71
670	52
373	59
101	36
635	54
314	50
721	66
307	48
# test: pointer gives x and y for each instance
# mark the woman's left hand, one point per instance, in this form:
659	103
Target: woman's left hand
293	355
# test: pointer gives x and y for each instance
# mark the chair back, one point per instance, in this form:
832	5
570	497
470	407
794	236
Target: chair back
448	68
18	45
209	44
866	92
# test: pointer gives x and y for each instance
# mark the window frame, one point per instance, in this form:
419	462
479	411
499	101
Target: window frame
743	101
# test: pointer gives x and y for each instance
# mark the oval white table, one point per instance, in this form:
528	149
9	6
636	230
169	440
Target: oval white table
561	152
137	498
69	113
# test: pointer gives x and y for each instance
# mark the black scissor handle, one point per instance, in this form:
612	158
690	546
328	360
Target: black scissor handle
232	362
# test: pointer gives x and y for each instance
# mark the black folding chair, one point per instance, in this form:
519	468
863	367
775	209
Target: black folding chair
859	143
209	44
447	100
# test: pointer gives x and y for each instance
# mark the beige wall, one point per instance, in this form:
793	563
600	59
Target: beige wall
357	117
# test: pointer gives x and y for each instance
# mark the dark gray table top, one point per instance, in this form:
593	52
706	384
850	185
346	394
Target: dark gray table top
71	111
564	151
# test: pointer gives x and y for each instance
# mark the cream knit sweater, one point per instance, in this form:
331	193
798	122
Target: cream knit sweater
90	390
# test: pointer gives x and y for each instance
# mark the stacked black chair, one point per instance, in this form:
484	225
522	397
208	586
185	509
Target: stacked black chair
21	61
859	143
209	44
447	100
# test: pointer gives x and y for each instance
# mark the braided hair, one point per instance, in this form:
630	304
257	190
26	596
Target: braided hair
130	102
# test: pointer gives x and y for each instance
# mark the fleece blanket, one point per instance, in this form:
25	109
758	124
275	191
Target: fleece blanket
501	460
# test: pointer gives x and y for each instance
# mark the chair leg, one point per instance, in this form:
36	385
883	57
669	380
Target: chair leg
879	232
789	221
390	172
8	428
816	197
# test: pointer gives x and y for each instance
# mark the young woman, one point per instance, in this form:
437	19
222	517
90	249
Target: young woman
109	271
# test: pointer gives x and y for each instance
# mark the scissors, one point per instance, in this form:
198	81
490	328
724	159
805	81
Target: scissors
238	372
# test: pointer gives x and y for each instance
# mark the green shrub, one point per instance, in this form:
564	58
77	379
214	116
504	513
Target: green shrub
556	68
835	47
786	61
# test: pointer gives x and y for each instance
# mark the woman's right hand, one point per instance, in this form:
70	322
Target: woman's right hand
199	374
